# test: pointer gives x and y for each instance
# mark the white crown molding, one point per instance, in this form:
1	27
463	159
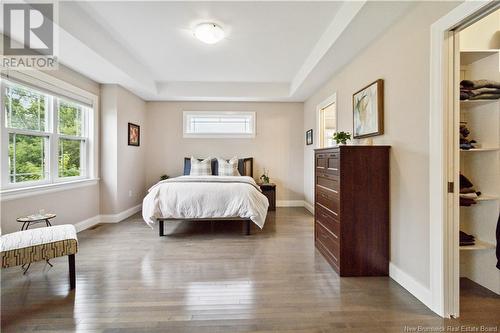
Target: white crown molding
340	22
93	53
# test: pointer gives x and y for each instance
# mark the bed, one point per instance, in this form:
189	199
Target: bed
207	198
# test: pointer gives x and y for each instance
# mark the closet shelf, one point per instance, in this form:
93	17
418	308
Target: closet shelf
480	149
480	245
467	57
467	104
487	198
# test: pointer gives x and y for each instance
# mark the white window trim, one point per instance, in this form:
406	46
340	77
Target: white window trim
23	192
222	135
58	87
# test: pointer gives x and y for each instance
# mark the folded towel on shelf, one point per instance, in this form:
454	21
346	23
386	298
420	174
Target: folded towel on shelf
485	96
466	239
465	182
477	84
481	91
472	195
466	202
467	190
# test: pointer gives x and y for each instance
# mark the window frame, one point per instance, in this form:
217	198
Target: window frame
191	135
57	90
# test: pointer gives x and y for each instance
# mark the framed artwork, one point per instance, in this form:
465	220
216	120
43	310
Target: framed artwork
134	135
309	137
368	110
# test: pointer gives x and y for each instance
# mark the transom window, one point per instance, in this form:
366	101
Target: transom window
45	137
209	124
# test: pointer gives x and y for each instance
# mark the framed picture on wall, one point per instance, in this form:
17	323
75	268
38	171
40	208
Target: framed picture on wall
309	137
368	110
134	135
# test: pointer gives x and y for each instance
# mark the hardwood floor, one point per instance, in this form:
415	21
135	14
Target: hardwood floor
198	280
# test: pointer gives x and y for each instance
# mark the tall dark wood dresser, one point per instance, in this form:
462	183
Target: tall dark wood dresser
351	209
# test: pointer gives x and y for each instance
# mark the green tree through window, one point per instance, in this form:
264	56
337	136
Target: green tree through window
26	114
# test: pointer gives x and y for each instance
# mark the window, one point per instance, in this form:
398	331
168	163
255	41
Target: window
208	124
327	125
45	137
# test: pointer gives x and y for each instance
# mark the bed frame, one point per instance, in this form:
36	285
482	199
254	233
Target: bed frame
247	171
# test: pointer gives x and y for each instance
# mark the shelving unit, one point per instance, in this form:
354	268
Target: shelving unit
480	245
465	105
481	166
487	198
479	150
468	57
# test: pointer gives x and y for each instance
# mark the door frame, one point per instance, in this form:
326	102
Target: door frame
325	103
443	214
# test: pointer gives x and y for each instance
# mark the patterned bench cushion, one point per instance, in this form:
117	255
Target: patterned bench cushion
24	247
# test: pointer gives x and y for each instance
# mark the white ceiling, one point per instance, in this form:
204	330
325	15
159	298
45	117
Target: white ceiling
273	51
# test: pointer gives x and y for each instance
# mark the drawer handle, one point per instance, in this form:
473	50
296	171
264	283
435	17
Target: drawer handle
326	208
320	167
334	169
327	189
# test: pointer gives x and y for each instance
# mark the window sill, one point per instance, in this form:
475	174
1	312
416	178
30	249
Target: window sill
18	193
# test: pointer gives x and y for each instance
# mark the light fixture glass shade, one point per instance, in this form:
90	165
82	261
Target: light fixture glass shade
209	33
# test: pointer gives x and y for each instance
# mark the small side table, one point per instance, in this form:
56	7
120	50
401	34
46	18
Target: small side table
34	219
269	190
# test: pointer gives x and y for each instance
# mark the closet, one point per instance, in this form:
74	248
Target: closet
479	150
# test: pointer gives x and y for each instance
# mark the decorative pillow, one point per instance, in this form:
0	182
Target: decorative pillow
201	168
228	168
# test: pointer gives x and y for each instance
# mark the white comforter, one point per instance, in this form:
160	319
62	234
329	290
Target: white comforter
205	197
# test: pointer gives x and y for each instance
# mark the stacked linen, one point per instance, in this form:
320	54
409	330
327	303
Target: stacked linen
465	142
479	89
466	239
468	195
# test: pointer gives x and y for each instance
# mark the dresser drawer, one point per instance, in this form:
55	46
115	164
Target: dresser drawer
328	181
327	220
327	162
328	200
326	241
332	163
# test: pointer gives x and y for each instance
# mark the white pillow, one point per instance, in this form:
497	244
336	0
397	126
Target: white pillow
201	168
228	168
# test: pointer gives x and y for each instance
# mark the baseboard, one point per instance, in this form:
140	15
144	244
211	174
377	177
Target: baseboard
115	218
309	207
88	223
415	288
289	203
106	218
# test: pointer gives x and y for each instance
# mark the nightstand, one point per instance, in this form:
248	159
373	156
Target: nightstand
269	190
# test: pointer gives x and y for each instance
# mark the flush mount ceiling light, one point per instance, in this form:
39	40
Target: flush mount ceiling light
209	33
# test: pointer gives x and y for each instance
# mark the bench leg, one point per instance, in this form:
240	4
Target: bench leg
72	271
247	227
160	228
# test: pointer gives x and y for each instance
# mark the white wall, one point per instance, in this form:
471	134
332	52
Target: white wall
482	35
123	181
400	57
71	205
278	145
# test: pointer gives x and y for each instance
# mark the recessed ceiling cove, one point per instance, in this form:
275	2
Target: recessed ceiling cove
263	51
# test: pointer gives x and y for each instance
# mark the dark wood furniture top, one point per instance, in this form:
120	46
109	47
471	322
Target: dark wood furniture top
352	208
269	190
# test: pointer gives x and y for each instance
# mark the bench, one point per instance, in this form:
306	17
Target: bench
28	246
